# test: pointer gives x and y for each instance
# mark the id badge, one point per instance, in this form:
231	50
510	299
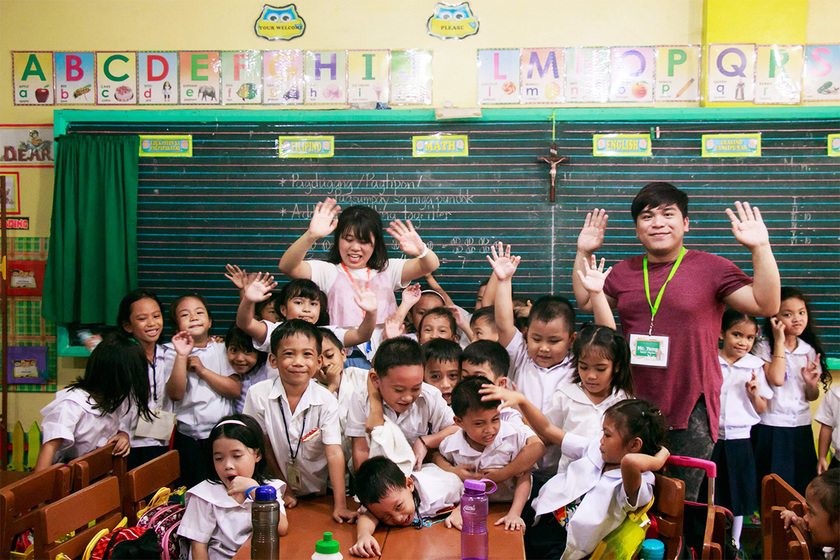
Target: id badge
648	350
293	477
157	428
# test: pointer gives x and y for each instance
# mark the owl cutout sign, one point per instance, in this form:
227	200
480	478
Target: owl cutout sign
452	21
279	23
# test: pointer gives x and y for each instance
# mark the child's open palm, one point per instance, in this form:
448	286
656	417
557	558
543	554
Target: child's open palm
504	265
394	327
183	343
593	275
408	238
238	276
411	295
260	288
324	218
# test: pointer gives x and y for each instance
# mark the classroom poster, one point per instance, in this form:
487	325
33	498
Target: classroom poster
834	145
587	74
199	77
677	73
325	74
541	76
74	78
157	76
27	145
241	77
731	73
731	145
12	191
367	76
498	76
33	78
778	74
116	78
631	74
822	73
621	145
411	77
283	77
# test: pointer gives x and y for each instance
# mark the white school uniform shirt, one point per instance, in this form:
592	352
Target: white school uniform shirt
157	399
501	452
214	518
317	409
572	411
251	378
82	428
829	414
428	414
737	414
605	503
201	408
437	489
788	408
265	345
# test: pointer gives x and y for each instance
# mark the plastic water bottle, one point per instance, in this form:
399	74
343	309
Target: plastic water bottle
474	508
327	549
652	549
265	515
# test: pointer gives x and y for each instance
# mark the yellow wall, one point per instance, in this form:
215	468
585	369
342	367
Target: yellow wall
55	25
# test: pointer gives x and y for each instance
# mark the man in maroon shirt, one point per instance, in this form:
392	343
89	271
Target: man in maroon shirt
670	302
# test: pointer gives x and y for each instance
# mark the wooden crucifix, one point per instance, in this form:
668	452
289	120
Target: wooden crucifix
553	160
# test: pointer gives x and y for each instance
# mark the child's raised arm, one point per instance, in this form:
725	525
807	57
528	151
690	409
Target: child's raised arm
632	467
775	368
537	421
258	290
176	385
592	279
424	262
504	266
324	221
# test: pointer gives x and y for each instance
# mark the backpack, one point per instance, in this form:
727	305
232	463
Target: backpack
164	521
127	544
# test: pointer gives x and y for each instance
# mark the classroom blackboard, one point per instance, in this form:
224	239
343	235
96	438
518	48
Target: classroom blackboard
236	201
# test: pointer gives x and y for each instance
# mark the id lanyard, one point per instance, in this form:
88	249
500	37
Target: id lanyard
654	307
288	438
353	280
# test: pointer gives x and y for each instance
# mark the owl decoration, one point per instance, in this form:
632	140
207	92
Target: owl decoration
452	21
279	23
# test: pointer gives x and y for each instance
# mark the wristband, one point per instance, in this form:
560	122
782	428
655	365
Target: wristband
249	490
420	256
781	357
423	442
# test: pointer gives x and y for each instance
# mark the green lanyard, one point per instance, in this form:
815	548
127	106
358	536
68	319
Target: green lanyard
654	307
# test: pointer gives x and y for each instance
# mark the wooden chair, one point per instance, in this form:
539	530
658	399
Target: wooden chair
95	465
99	503
146	479
785	543
21	501
668	504
777	492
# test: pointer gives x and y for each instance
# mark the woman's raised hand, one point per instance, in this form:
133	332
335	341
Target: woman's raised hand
324	218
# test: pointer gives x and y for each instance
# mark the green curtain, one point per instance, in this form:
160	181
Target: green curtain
92	260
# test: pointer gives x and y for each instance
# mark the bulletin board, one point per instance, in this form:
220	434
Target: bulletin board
236	201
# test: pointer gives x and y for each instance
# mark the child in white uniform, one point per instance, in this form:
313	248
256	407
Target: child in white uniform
248	365
484	441
783	441
199	384
217	519
299	418
828	417
91	412
743	397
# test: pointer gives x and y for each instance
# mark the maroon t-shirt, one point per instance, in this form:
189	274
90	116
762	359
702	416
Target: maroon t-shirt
690	314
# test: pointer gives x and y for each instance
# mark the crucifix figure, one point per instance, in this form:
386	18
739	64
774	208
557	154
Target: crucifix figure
553	160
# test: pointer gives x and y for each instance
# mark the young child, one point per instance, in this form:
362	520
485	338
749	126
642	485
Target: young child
90	412
822	518
828	417
489	359
483	324
442	368
601	379
394	499
250	366
437	323
217	519
604	481
427	300
484	441
359	255
141	318
416	407
783	442
743	397
299	418
199	384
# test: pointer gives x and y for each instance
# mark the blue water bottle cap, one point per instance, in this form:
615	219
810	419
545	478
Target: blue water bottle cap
265	494
652	549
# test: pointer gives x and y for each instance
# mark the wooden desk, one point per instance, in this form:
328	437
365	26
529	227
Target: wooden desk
7	477
439	543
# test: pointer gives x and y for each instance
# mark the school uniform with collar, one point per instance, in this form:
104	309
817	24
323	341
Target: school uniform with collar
251	378
214	518
317	410
438	491
157	400
509	441
600	499
428	414
74	418
828	414
572	410
782	441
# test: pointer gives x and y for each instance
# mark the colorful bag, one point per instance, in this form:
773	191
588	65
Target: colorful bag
624	541
131	542
164	520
